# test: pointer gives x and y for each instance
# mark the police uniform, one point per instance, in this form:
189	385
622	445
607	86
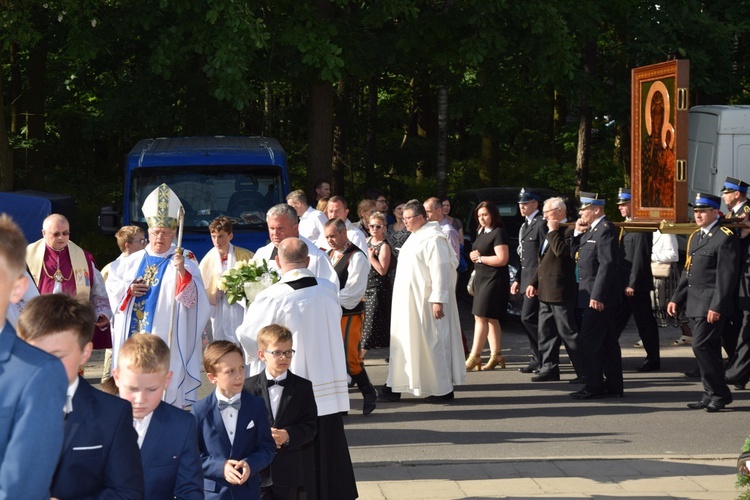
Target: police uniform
731	330
530	240
601	357
707	284
634	271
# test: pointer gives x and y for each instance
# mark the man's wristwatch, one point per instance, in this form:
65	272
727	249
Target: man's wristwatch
479	259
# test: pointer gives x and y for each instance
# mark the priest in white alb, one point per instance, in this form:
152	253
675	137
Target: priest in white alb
159	291
426	357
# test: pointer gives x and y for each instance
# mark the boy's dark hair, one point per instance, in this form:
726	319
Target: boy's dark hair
215	350
221	224
144	353
55	313
273	334
12	246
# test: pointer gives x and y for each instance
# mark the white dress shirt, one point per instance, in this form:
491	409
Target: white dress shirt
229	414
274	392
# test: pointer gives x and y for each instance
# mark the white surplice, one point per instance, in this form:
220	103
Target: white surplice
426	356
313	315
320	264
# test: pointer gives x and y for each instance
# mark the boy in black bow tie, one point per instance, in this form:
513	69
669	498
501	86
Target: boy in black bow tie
290	403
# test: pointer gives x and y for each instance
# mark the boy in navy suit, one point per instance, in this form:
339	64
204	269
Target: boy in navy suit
167	436
100	456
32	388
290	403
234	434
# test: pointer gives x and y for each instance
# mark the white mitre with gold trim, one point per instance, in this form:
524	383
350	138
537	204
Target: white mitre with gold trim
162	208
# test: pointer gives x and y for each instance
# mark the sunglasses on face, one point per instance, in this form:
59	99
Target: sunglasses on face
376	226
57	234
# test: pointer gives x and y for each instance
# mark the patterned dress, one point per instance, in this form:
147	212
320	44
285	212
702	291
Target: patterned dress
376	331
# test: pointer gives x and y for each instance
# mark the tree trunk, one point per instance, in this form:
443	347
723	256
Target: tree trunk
584	125
371	142
560	114
268	111
319	136
488	171
35	119
15	90
6	153
442	144
339	164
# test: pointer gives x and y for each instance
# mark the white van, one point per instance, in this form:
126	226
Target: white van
718	146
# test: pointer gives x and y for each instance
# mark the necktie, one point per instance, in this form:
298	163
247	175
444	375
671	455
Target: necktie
273	382
274	252
223	405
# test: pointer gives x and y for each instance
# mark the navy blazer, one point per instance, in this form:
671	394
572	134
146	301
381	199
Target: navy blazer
100	456
298	415
32	395
171	460
252	443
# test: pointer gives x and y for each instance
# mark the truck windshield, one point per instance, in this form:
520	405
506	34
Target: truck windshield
241	192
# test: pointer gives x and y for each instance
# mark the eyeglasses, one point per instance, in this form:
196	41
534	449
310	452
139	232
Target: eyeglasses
281	354
142	241
376	226
57	234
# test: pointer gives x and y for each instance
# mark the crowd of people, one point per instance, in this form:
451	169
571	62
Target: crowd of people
282	364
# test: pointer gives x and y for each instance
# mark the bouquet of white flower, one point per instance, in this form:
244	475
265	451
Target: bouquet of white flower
246	279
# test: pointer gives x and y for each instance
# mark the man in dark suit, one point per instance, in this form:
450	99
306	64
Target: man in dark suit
734	195
635	281
290	403
705	289
554	284
530	240
100	457
32	391
595	242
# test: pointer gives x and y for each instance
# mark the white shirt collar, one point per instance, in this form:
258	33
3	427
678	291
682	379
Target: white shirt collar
279	378
531	216
221	397
72	388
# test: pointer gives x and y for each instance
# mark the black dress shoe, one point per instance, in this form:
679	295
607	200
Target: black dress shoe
386	394
529	369
715	406
440	399
649	366
740	386
587	394
546	377
694	374
698	405
577	380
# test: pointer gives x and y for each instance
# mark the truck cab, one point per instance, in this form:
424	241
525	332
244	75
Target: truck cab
237	177
718	146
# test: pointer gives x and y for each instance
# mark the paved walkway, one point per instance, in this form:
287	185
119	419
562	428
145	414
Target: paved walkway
643	478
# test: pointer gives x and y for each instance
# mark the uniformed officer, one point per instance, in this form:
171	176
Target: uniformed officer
636	282
594	240
705	289
734	195
530	239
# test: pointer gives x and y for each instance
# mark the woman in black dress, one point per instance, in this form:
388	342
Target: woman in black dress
491	286
376	331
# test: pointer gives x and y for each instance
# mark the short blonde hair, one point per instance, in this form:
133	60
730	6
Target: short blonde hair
144	353
12	246
273	334
127	234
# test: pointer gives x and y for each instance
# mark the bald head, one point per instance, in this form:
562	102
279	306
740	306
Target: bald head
293	254
433	207
56	231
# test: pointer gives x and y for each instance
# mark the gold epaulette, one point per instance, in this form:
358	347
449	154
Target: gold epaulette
727	231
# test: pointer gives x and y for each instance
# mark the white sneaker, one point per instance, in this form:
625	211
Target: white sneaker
683	340
638	344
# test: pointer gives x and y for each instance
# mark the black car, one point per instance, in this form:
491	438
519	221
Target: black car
506	200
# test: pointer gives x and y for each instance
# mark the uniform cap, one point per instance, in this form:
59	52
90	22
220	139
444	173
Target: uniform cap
704	200
525	196
623	196
732	184
589	199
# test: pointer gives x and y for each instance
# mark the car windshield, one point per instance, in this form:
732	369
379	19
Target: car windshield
241	192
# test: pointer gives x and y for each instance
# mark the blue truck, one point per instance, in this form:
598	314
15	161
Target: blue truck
237	177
